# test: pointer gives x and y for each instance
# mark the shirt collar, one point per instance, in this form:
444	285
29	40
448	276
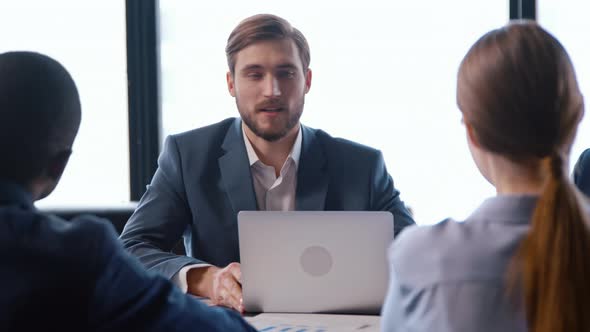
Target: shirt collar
512	208
14	194
295	153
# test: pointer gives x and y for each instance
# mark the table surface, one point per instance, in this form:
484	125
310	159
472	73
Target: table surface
275	322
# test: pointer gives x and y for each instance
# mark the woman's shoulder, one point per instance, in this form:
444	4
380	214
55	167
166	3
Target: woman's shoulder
417	245
451	251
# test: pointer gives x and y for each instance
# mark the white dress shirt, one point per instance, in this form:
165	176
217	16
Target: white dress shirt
275	193
272	193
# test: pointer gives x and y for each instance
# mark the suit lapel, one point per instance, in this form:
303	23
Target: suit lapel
235	170
312	177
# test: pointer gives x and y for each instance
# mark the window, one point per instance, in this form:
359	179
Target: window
88	38
384	76
567	21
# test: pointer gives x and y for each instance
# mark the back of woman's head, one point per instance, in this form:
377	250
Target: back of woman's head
517	89
518	92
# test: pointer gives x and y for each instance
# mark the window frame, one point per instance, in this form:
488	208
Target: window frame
143	71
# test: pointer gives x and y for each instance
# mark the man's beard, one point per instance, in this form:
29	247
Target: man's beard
272	135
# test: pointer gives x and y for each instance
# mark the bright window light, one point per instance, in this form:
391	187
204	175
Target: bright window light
89	39
384	74
566	20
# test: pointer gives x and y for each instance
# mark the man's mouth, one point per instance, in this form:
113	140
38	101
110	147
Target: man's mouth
271	109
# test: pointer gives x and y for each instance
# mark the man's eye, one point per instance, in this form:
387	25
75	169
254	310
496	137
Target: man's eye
286	74
254	76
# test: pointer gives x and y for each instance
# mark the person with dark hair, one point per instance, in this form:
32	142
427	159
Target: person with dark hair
69	276
520	262
582	173
264	160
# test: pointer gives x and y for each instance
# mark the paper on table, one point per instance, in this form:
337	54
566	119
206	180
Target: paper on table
314	323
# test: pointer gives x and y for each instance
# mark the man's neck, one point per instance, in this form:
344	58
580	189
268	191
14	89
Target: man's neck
273	153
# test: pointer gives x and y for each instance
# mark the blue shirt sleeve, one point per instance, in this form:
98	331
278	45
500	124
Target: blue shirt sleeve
128	298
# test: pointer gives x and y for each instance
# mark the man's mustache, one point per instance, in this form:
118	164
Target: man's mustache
267	105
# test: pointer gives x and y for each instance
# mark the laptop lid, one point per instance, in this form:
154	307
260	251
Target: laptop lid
314	261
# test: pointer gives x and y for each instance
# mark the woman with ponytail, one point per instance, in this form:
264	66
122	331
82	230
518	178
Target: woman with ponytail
521	261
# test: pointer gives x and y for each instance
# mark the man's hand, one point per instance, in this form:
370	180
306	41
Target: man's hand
222	286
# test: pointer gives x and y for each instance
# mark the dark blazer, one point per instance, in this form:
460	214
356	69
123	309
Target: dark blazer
75	276
582	172
204	180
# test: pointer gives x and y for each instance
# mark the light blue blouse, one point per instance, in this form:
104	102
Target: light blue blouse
453	276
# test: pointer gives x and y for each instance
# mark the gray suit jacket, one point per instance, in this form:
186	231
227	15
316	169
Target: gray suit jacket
451	276
582	172
204	180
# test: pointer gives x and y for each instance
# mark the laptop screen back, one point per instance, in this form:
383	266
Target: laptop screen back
308	261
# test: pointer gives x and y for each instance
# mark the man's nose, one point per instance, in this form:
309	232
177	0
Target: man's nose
272	88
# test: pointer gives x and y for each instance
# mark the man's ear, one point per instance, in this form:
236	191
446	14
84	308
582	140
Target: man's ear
57	164
230	84
472	135
308	76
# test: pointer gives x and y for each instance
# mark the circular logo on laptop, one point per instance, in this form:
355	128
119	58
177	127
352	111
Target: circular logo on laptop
316	261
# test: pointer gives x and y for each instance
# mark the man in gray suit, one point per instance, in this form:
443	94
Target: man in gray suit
582	173
266	160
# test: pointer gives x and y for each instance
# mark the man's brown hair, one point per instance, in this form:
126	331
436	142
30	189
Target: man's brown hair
264	27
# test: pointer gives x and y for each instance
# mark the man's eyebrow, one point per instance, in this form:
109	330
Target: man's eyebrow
287	66
251	67
259	67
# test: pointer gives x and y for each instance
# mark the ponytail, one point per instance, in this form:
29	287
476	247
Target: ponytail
554	259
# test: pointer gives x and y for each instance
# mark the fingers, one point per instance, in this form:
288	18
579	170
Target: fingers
236	270
234	292
228	291
230	284
234	301
229	299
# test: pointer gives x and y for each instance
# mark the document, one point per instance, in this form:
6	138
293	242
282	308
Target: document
270	322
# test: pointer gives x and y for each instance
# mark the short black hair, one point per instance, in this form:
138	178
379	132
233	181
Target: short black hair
39	114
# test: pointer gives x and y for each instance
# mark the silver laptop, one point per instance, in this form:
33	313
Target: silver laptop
314	262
